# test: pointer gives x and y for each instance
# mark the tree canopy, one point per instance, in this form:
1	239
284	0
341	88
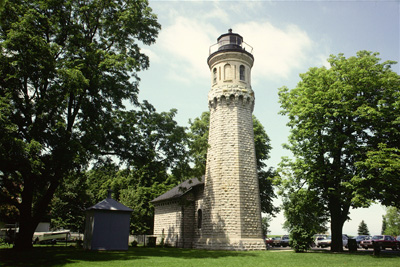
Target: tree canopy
392	221
340	118
67	70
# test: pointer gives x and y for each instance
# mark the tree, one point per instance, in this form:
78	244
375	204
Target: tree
363	228
381	168
304	213
265	175
67	69
265	223
335	117
160	162
69	203
384	225
392	218
198	145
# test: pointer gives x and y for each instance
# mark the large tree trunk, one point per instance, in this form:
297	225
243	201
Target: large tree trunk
24	237
26	225
336	231
31	215
339	212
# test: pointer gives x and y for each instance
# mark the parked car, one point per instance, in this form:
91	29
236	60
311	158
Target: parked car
361	238
276	242
317	239
326	242
345	240
366	243
269	241
285	241
384	242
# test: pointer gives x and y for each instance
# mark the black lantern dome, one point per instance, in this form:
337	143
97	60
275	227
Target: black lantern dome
230	42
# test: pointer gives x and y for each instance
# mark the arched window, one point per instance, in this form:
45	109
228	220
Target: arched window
199	218
242	73
227	72
215	75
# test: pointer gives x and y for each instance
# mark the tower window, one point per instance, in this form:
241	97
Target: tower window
242	73
227	72
215	75
199	218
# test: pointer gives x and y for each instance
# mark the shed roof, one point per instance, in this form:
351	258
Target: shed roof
180	189
110	204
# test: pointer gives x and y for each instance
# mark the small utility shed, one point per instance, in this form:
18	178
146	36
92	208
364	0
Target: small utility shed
107	226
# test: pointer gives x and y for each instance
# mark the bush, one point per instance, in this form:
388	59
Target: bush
300	239
134	243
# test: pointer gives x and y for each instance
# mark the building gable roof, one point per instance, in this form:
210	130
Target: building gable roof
110	204
180	189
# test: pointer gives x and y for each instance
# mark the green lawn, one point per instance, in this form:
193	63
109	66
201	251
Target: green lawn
147	257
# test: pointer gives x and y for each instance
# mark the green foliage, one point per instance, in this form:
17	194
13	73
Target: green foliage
198	136
138	198
363	228
392	218
67	68
265	223
300	239
198	144
380	180
384	225
69	204
161	161
305	217
339	118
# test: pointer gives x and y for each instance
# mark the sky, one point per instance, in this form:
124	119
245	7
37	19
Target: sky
288	38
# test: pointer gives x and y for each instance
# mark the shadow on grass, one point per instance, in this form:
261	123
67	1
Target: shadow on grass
383	254
56	256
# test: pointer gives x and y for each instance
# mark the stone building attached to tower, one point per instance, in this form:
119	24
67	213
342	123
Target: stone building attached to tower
223	212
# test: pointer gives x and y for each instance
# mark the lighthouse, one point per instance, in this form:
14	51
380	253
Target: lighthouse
231	214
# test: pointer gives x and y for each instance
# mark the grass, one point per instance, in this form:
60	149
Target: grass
141	256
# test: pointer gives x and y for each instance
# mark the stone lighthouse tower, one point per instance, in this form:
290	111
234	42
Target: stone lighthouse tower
231	205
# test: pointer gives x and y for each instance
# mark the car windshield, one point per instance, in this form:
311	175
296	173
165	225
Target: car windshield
377	237
360	237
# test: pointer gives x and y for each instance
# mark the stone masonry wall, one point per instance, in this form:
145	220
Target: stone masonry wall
198	206
167	222
232	213
177	221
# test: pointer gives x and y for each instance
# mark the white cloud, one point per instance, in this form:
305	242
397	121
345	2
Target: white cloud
276	51
153	57
184	45
218	12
